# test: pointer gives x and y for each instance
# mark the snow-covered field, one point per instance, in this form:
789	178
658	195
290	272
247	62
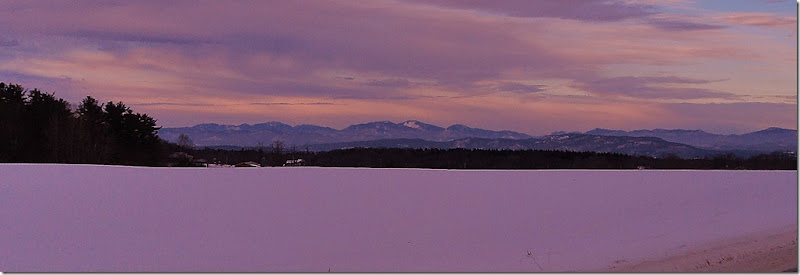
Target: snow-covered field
106	218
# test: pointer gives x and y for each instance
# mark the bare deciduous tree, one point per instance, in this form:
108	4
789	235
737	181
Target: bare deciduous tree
185	142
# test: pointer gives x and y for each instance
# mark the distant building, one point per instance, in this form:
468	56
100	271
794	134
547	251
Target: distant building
294	162
247	164
200	162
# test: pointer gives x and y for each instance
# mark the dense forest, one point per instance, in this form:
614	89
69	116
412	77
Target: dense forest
489	159
37	127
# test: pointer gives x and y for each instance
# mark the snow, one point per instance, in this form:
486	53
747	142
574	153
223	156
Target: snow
111	218
411	124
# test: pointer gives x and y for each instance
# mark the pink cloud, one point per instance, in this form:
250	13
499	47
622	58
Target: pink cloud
386	53
682	25
648	87
585	10
761	20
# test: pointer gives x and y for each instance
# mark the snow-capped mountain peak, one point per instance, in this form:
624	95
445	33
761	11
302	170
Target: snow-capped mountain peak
411	124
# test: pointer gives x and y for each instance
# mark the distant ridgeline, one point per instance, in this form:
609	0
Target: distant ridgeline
415	134
36	127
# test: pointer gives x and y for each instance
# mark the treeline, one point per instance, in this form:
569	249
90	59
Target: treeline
491	159
37	127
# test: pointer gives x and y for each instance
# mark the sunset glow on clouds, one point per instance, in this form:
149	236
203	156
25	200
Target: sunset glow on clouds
532	66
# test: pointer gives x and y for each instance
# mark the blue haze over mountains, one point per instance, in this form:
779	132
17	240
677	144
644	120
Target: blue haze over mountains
416	134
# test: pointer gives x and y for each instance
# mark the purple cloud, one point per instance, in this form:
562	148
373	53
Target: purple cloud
450	50
390	83
584	10
681	25
643	87
762	20
7	43
773	1
292	103
122	36
520	88
172	104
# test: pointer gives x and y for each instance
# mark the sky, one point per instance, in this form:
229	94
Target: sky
534	66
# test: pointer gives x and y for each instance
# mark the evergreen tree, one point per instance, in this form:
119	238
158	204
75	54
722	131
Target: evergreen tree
38	127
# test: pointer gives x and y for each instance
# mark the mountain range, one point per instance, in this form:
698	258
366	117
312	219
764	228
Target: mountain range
416	134
265	133
767	140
